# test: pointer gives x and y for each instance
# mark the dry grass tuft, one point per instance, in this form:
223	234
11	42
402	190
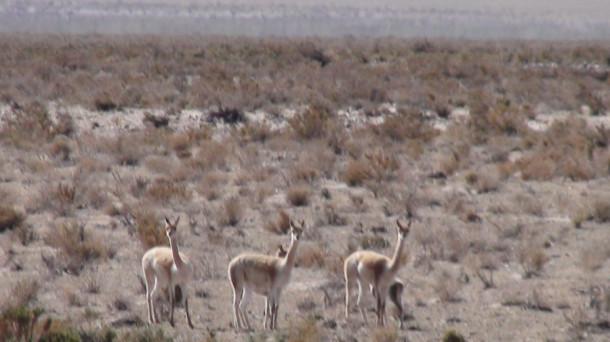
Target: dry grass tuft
304	331
316	122
385	334
230	212
61	198
298	195
601	210
10	218
281	226
310	255
356	173
374	242
77	246
532	258
447	287
405	125
165	191
149	230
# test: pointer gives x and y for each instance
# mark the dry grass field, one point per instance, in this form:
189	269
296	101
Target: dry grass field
499	150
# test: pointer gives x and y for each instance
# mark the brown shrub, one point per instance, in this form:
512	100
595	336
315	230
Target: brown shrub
210	186
601	210
230	212
149	230
567	149
61	198
382	167
315	122
298	195
374	242
532	258
78	247
10	218
405	125
211	155
447	287
356	172
280	226
29	126
61	148
310	255
165	191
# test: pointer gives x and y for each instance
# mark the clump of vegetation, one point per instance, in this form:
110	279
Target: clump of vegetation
31	126
601	210
374	242
145	335
298	195
452	336
10	218
149	230
405	125
77	246
315	122
567	149
227	115
281	226
231	212
532	258
306	330
164	191
356	173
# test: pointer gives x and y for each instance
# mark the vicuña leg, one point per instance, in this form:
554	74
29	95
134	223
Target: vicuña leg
360	301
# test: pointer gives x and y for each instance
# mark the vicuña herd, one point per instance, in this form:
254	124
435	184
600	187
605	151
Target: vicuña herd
165	268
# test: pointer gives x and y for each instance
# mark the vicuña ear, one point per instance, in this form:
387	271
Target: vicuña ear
176	222
167	220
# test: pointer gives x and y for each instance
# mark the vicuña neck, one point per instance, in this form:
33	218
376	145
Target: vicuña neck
174	246
290	257
395	263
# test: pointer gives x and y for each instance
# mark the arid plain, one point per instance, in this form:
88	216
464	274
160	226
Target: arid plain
498	150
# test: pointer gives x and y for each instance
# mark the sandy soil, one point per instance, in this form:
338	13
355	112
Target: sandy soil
554	304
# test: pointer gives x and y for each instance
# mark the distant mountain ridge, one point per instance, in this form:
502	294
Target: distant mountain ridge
450	21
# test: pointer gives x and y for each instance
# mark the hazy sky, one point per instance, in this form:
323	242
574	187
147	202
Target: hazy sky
485	19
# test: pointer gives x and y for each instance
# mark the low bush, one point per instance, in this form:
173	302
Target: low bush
298	195
149	230
77	246
10	218
356	172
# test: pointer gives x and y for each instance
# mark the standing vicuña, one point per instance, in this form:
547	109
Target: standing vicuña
377	272
166	267
266	275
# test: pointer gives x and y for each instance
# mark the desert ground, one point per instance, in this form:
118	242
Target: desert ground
496	151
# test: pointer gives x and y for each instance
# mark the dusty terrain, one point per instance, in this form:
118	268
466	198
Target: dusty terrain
510	238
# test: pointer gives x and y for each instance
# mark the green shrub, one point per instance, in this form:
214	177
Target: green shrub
18	322
452	336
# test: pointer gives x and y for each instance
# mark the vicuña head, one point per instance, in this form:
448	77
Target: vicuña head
165	267
378	273
266	275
